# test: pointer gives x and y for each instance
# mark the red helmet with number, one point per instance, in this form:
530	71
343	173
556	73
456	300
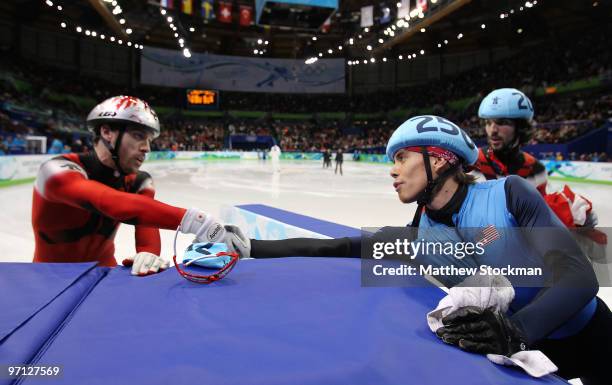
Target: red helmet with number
124	109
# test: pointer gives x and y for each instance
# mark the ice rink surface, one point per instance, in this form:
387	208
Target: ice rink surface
362	197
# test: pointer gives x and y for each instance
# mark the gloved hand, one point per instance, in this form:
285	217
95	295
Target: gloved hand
482	331
145	263
237	241
207	228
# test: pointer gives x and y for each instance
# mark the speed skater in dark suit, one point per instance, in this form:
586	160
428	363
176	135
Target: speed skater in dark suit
563	317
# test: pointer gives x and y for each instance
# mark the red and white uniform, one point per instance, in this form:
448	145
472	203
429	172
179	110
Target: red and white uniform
572	209
78	204
523	164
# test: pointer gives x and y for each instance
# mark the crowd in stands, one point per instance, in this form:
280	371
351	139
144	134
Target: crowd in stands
190	135
533	67
32	90
588	157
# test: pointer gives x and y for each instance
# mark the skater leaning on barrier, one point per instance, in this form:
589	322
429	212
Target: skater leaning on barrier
80	199
560	319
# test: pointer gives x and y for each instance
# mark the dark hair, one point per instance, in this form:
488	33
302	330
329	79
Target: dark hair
462	177
524	130
98	128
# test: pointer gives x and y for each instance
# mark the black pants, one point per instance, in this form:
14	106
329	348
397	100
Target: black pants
586	355
338	164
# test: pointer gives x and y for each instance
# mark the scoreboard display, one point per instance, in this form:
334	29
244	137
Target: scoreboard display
202	99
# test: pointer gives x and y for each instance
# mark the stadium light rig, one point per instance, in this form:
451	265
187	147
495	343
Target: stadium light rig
504	15
91	32
116	11
403	23
180	40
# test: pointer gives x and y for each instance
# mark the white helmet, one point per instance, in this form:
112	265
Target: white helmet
124	109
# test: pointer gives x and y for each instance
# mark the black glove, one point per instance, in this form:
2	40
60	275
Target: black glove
482	331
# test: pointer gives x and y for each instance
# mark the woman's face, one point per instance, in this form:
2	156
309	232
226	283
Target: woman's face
409	176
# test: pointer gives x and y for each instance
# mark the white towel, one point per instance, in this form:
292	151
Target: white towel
485	291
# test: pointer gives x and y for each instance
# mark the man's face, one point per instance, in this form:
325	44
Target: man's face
409	176
500	133
134	146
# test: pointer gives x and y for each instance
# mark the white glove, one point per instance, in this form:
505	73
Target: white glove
145	263
207	228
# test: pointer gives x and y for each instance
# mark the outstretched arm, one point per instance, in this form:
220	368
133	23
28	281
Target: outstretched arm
63	181
306	247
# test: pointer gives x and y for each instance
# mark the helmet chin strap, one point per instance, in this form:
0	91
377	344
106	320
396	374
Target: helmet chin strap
114	150
425	196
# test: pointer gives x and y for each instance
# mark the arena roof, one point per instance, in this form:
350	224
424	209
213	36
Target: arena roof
148	26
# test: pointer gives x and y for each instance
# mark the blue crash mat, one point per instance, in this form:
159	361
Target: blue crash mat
330	229
281	321
25	288
26	341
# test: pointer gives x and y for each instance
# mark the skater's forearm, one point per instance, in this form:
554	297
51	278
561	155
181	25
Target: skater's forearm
306	247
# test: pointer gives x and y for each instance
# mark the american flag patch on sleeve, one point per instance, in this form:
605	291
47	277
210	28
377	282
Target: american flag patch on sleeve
488	235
